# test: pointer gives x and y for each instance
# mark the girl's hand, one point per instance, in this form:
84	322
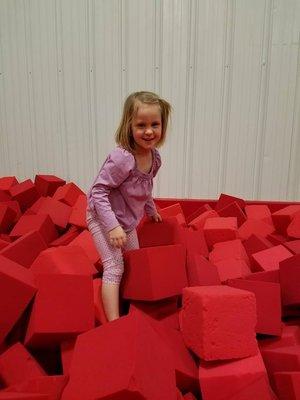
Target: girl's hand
156	218
117	237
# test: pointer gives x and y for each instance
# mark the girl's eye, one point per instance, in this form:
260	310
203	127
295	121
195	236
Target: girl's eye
140	125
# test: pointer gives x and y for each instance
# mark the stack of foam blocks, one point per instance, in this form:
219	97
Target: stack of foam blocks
210	302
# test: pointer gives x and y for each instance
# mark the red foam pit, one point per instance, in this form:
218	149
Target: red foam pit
66	238
64	260
86	242
290	336
68	194
230	249
254	227
260	212
269	259
293	246
51	386
25	193
256	243
225	199
130	360
288	385
289	276
25	249
200	271
17	288
233	210
7	182
58	211
148	271
276	239
174	210
244	379
219	230
283	217
232	268
277	359
268	304
78	214
40	223
210	328
293	229
18	365
7	218
98	304
164	233
4	196
171	321
199	222
197	213
47	184
53	317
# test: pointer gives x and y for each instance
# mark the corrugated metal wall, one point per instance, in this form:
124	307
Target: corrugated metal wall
230	68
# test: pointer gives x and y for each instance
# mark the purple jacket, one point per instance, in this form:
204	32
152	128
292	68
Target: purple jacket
121	194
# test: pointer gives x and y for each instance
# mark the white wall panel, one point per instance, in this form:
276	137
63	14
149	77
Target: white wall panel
230	69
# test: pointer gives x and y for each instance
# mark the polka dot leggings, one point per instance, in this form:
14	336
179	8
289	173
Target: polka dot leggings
112	258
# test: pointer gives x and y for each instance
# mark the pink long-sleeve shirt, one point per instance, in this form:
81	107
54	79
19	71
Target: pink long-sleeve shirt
121	194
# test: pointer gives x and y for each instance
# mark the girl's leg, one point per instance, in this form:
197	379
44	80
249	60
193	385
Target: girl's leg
113	267
132	241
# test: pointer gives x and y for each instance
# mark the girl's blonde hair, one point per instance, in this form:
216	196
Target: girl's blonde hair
123	135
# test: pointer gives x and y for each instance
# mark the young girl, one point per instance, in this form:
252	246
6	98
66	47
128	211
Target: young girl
122	191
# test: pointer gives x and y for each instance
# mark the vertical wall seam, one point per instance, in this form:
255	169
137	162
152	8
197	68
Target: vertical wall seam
261	137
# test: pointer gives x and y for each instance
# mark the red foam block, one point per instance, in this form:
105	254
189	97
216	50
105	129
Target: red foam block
233	210
63	307
231	268
25	193
120	345
47	184
7	218
219	230
40	223
293	229
226	199
18	365
269	259
289	276
288	385
7	182
58	211
86	242
283	217
199	222
64	260
293	246
244	379
210	328
268	304
68	193
159	234
25	249
148	272
17	288
78	214
254	227
174	210
260	212
200	271
232	249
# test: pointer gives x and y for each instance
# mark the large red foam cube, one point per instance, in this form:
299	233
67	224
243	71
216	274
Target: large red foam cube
231	268
269	259
226	199
233	210
293	229
78	214
289	276
7	217
254	227
210	328
293	246
66	237
199	222
244	379
40	223
68	193
283	217
260	212
86	242
64	260
7	182
47	184
164	233
58	211
174	210
17	365
268	304
25	249
200	271
232	249
256	243
17	288
219	230
154	273
138	365
63	308
25	193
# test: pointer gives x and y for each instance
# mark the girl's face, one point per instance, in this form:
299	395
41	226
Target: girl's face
146	127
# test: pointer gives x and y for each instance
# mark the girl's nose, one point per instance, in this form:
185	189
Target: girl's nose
149	131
